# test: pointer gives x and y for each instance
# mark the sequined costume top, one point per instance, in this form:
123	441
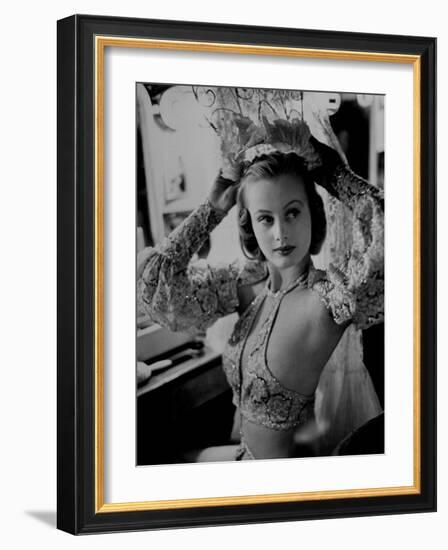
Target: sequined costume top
190	296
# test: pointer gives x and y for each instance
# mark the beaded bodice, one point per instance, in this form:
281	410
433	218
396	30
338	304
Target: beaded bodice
258	394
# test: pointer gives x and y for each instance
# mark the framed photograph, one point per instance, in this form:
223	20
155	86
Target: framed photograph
246	274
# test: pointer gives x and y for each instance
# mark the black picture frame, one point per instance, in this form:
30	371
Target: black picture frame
80	507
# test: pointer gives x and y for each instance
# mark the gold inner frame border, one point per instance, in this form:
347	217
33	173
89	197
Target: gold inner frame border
100	44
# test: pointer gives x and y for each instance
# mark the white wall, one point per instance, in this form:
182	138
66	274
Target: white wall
28	237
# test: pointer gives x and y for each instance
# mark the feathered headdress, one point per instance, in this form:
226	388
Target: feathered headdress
252	122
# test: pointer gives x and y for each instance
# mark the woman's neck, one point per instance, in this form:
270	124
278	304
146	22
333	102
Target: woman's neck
280	279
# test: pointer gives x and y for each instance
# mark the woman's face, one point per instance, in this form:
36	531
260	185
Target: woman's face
280	217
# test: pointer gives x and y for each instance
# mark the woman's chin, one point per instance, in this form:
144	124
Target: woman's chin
284	262
287	261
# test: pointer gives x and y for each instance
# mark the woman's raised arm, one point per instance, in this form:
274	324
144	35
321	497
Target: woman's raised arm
183	295
353	288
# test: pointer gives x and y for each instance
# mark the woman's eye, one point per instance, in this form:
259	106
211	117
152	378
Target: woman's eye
292	214
265	220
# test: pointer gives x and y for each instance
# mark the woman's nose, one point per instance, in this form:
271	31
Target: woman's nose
280	232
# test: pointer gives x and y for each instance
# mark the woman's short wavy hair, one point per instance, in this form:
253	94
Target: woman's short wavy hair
271	166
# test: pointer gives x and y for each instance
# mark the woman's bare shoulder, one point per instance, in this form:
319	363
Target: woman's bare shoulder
314	312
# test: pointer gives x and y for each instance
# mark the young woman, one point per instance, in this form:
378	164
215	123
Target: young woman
291	316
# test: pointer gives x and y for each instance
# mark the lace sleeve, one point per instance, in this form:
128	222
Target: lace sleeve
353	289
183	295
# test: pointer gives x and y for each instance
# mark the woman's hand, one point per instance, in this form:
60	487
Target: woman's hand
223	193
331	160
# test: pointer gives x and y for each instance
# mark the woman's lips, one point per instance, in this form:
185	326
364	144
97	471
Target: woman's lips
284	250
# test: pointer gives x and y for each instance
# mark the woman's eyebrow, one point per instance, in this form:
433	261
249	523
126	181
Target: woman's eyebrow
260	211
293	200
263	211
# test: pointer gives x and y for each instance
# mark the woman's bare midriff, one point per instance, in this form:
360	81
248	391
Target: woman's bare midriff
267	443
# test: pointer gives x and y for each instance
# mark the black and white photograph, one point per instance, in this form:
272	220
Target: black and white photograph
260	273
246	274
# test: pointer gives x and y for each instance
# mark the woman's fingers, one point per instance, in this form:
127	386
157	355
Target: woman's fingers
225	182
223	193
230	170
232	192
